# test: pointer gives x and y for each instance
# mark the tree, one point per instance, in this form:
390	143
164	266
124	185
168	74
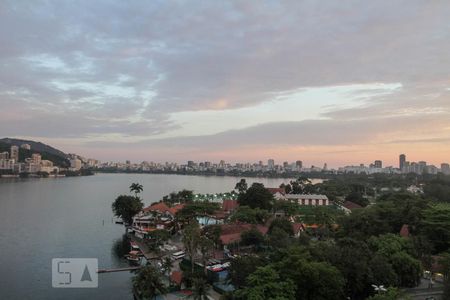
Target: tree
313	280
287	188
265	283
391	294
257	196
246	214
382	271
357	198
136	188
283	224
252	237
278	238
157	238
166	265
408	269
126	207
200	289
241	186
242	267
351	257
197	209
436	226
191	239
205	246
300	185
148	284
213	233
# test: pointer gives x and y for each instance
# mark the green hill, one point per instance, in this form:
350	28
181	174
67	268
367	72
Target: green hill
47	152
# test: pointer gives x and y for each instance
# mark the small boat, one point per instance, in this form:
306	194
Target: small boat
132	258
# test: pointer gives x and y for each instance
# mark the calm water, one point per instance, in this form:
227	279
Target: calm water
41	219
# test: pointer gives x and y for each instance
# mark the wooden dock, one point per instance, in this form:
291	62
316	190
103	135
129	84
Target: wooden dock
118	269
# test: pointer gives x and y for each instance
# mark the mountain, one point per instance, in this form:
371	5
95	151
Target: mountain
47	152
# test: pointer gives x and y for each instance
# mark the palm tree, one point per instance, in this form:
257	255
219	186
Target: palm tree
200	289
147	283
136	188
166	265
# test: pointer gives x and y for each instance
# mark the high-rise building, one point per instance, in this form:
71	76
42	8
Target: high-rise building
36	158
299	164
378	164
270	163
15	153
402	161
445	169
75	164
4	155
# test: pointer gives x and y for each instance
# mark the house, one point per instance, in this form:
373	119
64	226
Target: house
349	206
156	216
229	205
231	233
278	193
306	199
298	228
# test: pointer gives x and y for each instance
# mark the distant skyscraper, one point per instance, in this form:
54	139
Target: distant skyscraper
271	163
15	153
445	168
299	164
402	161
378	164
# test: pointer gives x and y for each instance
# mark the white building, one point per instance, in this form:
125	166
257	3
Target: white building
75	164
313	200
25	146
15	153
7	164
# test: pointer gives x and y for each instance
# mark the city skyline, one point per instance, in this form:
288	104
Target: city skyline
342	83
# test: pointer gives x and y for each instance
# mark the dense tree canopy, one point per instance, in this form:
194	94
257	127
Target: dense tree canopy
126	207
257	196
265	283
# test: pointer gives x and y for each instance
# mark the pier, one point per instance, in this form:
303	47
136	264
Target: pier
118	269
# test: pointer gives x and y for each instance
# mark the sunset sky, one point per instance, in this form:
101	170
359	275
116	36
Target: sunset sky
342	82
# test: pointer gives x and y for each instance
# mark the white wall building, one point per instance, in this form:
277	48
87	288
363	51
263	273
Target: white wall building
313	200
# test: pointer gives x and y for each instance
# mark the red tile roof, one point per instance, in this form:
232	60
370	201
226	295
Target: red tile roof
232	232
351	205
173	210
159	207
176	277
297	227
229	205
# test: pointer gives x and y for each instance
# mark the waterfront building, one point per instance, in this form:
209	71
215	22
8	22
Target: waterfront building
402	159
75	164
270	164
7	164
4	155
14	153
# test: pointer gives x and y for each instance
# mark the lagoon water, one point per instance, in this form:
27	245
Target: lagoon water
41	219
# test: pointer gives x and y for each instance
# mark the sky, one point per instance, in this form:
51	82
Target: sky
342	82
